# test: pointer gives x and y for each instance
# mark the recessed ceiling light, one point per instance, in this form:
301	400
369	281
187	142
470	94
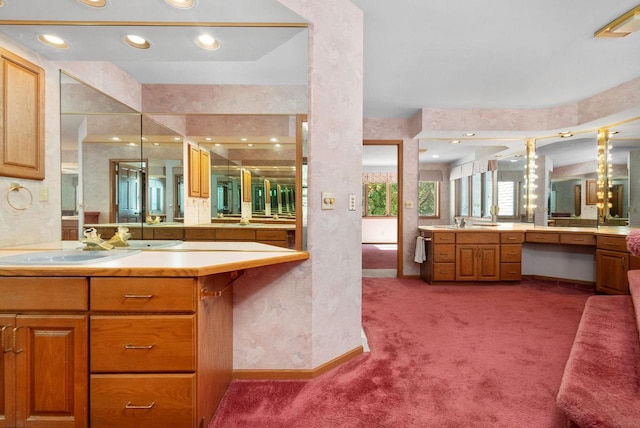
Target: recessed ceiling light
217	144
180	4
94	3
137	41
469	134
243	139
156	144
115	139
208	139
205	41
273	139
177	138
565	134
250	145
454	142
277	145
53	41
132	144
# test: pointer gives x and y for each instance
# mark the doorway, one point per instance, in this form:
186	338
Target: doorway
128	179
381	208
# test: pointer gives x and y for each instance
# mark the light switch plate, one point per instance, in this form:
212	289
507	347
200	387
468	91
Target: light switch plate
352	202
328	201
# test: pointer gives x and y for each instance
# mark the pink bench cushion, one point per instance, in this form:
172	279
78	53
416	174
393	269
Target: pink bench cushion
600	386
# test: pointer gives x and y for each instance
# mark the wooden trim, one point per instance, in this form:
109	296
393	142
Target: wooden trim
153	24
301	374
579	282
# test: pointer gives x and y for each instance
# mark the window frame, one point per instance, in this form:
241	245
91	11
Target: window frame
437	190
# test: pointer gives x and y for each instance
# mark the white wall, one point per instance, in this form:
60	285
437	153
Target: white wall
379	230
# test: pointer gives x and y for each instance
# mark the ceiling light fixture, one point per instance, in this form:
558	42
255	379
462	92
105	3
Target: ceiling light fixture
243	139
565	134
277	145
469	134
132	144
622	26
454	142
115	139
273	139
137	41
207	42
180	4
177	139
208	139
53	41
250	145
94	3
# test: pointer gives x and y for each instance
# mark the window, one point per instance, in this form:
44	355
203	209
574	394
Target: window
429	199
381	199
463	191
508	197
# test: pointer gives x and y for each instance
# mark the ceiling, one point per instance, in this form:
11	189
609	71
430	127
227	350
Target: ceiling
418	54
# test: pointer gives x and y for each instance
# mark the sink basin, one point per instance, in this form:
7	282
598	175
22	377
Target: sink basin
64	257
149	244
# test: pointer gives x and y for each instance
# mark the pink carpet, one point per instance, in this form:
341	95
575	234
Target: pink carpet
379	256
441	356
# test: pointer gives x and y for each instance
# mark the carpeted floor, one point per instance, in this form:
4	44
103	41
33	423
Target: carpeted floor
379	256
441	356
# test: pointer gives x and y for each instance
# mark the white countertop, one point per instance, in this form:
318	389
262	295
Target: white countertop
187	259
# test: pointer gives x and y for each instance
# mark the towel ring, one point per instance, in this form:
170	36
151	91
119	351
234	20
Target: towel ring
16	188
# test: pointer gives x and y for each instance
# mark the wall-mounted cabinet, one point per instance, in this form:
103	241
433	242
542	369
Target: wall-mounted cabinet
199	172
21	118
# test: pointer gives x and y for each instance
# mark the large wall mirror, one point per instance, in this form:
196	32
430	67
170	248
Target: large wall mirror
573	179
122	167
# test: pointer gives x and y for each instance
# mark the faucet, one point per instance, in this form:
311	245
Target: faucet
460	222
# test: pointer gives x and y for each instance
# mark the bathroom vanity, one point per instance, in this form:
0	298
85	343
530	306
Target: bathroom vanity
140	340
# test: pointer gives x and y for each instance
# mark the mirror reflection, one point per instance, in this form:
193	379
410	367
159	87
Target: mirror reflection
132	170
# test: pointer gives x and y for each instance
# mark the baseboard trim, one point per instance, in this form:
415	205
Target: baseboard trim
297	374
587	285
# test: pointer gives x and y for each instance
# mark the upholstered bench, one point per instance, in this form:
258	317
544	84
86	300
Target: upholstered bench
601	382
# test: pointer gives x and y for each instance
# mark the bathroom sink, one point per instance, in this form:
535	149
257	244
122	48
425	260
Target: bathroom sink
64	257
445	226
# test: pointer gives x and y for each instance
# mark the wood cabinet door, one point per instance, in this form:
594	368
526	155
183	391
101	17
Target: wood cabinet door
488	263
21	117
611	272
466	262
51	371
7	373
194	171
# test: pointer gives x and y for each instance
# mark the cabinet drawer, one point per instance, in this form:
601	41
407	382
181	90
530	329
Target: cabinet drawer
143	294
235	235
271	235
134	401
444	253
510	271
142	343
444	238
168	233
202	234
477	238
612	243
444	271
49	294
577	239
543	238
511	253
511	237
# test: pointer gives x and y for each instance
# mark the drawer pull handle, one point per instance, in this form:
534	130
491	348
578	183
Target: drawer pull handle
511	238
5	350
129	346
138	296
15	340
134	407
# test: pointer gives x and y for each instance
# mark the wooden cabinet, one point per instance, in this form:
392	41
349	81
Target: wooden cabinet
478	256
472	256
43	370
161	349
613	261
21	117
69	230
